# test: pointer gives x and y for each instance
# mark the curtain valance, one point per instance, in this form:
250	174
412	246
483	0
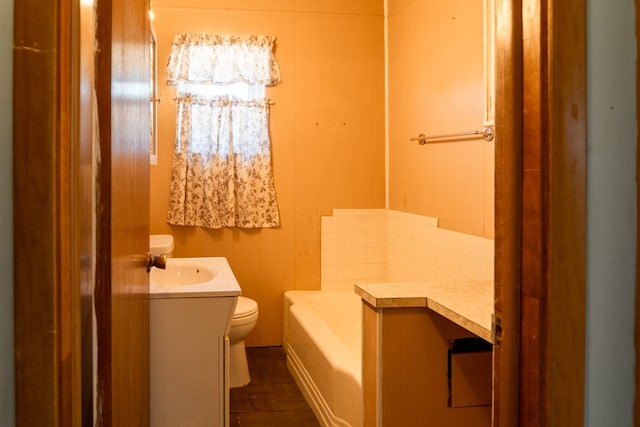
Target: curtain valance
215	59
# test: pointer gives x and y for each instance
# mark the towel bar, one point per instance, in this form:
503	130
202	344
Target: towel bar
487	134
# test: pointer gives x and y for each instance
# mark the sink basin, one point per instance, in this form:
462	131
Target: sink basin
193	277
181	274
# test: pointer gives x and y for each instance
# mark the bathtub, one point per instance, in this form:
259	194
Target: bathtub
323	342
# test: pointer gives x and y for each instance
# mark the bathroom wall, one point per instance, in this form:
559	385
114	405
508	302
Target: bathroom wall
7	412
611	212
327	129
436	84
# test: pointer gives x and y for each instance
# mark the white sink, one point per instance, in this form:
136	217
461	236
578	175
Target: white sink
190	310
181	274
193	277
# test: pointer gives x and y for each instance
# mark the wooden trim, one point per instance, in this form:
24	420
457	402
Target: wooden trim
370	369
84	214
540	212
45	303
103	307
51	236
636	410
566	177
553	258
35	144
534	189
62	198
507	205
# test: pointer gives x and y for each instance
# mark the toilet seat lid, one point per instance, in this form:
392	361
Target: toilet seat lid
245	307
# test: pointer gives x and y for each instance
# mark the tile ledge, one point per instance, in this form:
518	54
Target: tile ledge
469	304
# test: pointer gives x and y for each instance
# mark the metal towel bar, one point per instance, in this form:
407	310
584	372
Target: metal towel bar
487	134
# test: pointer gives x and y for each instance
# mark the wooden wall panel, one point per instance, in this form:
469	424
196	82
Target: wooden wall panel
327	137
436	86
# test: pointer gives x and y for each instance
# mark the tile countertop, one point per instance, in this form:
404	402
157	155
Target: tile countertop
468	304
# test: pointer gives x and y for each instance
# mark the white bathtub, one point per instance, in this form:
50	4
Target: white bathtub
323	341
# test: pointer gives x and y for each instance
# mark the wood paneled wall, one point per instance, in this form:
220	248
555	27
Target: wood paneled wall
327	134
436	86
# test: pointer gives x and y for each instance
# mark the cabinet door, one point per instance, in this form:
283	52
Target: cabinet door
187	361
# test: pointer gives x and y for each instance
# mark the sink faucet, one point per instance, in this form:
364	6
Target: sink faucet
158	261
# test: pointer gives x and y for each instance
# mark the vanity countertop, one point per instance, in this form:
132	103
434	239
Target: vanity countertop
203	277
468	304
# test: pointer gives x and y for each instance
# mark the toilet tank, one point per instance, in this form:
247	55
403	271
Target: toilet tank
161	244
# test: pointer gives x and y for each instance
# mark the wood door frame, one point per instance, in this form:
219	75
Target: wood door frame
508	195
540	212
50	234
566	213
47	364
636	411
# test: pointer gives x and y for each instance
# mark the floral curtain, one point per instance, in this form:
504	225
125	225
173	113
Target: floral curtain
214	59
222	173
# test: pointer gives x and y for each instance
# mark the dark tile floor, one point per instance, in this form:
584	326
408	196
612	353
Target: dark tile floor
272	398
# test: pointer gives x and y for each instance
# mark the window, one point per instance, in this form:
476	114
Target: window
222	174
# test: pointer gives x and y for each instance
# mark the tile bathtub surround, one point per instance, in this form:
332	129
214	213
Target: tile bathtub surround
379	245
353	248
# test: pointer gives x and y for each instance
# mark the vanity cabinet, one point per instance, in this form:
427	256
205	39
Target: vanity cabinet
189	366
422	364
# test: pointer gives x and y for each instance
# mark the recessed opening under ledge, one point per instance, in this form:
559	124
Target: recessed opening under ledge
469	372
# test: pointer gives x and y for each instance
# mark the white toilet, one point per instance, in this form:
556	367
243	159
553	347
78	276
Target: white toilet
244	319
161	244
